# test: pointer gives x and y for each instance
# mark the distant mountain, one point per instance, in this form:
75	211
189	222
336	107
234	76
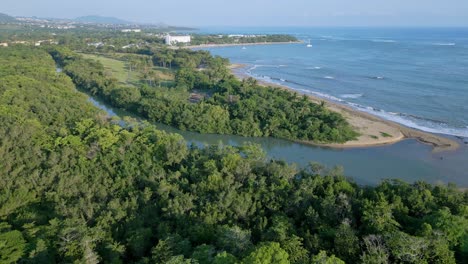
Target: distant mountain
101	20
4	18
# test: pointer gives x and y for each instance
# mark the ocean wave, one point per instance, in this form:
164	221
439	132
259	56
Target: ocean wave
296	83
413	121
409	120
351	96
314	68
377	40
444	44
384	40
322	95
376	77
421	123
256	66
329	77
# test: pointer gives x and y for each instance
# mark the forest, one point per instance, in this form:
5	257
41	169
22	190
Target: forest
79	187
199	39
207	98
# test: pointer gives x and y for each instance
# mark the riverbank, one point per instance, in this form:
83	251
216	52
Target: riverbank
204	46
374	131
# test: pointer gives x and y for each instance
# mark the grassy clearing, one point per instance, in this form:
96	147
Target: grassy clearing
115	68
165	74
119	69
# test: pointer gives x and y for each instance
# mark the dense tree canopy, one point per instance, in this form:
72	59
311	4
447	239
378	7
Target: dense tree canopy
76	187
240	39
208	99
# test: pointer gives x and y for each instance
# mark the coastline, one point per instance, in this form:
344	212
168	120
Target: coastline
240	44
374	130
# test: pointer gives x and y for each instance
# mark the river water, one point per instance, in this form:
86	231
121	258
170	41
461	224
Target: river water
408	160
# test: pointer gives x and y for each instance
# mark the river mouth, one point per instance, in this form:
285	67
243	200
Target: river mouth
408	160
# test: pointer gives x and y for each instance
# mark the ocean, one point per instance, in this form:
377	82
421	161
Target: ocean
417	77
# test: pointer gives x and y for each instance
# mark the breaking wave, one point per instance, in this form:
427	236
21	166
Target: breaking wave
444	44
351	96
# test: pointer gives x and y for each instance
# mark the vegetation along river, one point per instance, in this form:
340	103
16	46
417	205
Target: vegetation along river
408	160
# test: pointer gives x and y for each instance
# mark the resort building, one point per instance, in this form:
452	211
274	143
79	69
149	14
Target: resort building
172	40
3	44
131	30
96	44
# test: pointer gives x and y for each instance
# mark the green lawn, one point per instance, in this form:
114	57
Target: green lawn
116	68
119	69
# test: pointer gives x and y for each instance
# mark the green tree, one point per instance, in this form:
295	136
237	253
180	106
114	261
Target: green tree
234	239
268	253
378	216
375	251
346	243
323	258
204	254
12	244
224	258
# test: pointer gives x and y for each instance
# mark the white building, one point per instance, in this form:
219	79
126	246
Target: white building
172	40
96	44
3	44
131	30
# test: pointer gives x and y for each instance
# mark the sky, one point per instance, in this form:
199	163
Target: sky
254	12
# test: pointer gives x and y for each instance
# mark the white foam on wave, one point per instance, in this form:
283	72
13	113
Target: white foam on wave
256	66
329	77
444	44
384	40
351	96
314	68
428	126
404	119
323	95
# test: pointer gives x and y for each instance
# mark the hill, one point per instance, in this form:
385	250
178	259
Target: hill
101	20
4	18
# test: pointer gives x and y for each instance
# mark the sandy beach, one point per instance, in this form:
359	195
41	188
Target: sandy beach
374	131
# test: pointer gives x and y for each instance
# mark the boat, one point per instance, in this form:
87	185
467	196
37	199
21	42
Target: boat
244	48
309	45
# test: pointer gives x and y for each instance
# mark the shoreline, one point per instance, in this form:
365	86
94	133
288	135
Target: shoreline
240	44
374	130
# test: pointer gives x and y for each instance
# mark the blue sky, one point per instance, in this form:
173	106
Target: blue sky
255	12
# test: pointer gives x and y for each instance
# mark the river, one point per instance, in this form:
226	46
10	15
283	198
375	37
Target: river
408	160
